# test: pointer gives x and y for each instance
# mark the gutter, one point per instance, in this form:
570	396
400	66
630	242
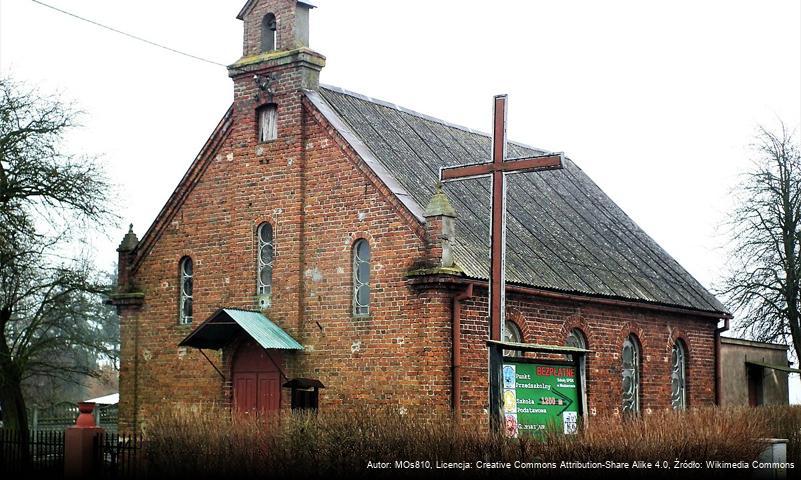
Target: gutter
136	377
718	363
542	293
456	351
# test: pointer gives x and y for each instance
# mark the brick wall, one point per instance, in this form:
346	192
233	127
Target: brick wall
400	353
284	11
320	197
605	327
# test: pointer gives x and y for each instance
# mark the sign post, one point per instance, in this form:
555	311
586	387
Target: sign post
529	396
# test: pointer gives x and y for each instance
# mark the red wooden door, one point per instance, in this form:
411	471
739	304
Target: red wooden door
245	392
256	379
269	392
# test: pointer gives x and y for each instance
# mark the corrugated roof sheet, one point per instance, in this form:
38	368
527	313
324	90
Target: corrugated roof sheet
265	332
563	232
221	328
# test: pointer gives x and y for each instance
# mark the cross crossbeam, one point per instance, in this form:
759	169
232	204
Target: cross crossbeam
517	165
498	168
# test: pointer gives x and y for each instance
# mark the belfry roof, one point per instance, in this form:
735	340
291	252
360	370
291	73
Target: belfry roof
563	232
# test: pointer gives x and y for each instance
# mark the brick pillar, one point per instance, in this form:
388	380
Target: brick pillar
127	246
80	444
440	230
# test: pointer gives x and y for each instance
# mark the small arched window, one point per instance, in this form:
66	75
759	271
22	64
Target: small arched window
631	376
512	334
361	278
186	286
678	376
269	37
264	280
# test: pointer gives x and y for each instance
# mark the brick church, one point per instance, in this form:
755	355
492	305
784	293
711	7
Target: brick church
309	259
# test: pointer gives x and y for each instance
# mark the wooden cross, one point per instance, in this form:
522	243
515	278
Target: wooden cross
498	168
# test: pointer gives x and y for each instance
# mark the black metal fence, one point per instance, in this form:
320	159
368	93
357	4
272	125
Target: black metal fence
120	455
41	453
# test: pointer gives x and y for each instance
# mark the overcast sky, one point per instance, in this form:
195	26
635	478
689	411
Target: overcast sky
657	101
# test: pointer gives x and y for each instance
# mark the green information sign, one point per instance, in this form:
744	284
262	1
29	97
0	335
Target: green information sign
539	395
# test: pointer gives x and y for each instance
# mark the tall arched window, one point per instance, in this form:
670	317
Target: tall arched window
511	333
678	376
186	286
269	28
631	376
577	339
361	278
264	280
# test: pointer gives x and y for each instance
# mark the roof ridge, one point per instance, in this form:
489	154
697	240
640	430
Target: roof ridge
399	108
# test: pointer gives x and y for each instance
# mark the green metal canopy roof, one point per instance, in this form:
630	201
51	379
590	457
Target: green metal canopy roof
225	324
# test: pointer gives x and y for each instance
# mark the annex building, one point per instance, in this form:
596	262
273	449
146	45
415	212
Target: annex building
308	259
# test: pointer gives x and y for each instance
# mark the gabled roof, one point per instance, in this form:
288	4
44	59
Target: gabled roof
563	232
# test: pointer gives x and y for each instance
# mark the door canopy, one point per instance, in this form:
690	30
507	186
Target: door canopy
227	323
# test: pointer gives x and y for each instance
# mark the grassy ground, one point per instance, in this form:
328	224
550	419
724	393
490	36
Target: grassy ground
192	442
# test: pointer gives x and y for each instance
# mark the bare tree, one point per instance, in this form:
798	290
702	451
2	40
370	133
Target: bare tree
38	180
764	281
54	325
50	298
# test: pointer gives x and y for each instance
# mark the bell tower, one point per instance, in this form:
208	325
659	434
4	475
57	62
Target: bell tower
267	144
275	25
276	35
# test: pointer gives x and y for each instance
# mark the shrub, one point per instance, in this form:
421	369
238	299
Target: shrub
189	442
784	422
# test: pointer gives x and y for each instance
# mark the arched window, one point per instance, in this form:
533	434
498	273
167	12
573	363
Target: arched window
186	286
264	280
511	333
678	376
631	376
577	339
361	278
269	27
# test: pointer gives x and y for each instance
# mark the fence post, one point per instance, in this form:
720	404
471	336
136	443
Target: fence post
79	444
35	432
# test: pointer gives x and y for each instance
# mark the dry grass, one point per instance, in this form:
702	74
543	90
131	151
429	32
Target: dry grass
191	442
784	422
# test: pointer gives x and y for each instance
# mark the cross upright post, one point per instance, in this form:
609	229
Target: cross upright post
498	168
